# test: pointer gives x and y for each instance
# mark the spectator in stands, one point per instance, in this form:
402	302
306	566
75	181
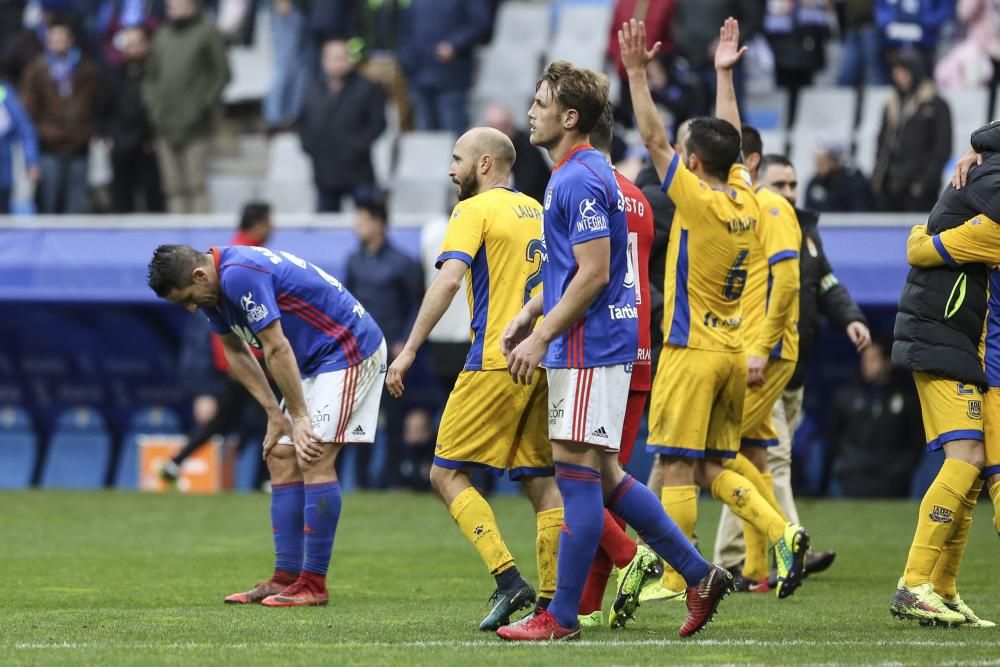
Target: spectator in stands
913	25
695	31
114	19
436	42
342	116
126	131
14	126
531	169
863	58
185	76
390	284
377	42
291	64
60	91
837	187
875	432
974	61
658	16
914	142
797	33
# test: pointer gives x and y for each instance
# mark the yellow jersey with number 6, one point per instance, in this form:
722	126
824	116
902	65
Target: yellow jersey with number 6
498	234
711	239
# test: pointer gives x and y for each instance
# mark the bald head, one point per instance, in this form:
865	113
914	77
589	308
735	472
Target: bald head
482	159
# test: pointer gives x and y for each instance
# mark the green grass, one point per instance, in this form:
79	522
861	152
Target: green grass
112	579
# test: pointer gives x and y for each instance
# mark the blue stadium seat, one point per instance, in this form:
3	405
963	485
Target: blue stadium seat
79	451
18	448
148	421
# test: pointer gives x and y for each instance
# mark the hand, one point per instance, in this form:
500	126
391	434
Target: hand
277	428
397	371
755	371
729	52
445	52
859	335
34	174
518	329
524	359
632	42
308	446
969	159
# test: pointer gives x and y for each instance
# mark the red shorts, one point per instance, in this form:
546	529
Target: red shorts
634	410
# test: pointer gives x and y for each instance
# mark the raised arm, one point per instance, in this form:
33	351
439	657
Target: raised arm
727	55
635	58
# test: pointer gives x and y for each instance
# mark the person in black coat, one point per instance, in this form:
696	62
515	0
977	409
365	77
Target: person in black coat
837	186
125	128
342	116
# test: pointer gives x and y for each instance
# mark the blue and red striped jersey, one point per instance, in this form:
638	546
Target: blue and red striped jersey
583	202
327	328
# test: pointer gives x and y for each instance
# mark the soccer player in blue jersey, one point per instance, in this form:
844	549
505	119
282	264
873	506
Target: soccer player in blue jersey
328	358
587	342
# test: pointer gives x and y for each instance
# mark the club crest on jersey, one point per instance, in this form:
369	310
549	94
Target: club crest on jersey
975	409
255	313
590	218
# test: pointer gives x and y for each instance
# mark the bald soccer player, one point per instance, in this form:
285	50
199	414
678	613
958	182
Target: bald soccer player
494	241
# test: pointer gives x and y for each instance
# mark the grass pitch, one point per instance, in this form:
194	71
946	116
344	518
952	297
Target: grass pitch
128	579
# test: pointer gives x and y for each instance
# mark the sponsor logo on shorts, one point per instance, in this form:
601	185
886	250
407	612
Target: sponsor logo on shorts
975	409
624	312
321	416
941	514
600	432
255	313
358	430
556	411
590	218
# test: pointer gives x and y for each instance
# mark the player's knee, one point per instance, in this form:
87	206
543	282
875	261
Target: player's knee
282	466
442	478
967	451
542	492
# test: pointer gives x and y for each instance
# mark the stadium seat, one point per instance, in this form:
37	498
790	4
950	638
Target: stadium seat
153	420
18	448
78	453
419	197
424	156
251	67
873	101
823	114
228	193
383	154
298	196
523	26
968	112
287	161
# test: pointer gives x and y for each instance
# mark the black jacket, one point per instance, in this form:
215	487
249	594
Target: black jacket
663	215
941	310
820	293
123	115
338	130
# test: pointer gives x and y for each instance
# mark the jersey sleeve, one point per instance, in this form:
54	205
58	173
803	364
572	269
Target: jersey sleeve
215	322
586	200
464	236
780	235
975	240
688	192
252	291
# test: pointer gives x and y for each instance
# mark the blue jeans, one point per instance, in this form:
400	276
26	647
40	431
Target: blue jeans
64	183
435	109
291	69
864	59
328	200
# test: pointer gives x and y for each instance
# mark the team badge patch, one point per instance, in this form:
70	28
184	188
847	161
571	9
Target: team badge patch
975	409
941	514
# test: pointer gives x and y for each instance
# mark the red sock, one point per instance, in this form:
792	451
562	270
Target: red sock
284	577
316	582
597	582
618	545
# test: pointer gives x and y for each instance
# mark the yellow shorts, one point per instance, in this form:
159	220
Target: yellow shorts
950	410
758	428
991	428
696	406
493	424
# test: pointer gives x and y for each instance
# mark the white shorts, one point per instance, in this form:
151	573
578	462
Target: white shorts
587	405
344	404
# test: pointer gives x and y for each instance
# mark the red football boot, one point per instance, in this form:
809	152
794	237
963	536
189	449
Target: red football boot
703	600
538	627
276	584
309	590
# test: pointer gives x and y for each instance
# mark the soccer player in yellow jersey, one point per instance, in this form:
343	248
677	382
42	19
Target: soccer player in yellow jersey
491	423
771	340
696	406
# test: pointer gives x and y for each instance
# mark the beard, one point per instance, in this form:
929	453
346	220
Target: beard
468	186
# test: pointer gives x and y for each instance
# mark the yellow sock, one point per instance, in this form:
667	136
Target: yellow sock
995	497
945	575
549	524
748	504
938	511
770	495
681	504
476	521
762	481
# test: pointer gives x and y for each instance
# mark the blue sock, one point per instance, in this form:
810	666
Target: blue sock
287	501
321	516
583	519
642	510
